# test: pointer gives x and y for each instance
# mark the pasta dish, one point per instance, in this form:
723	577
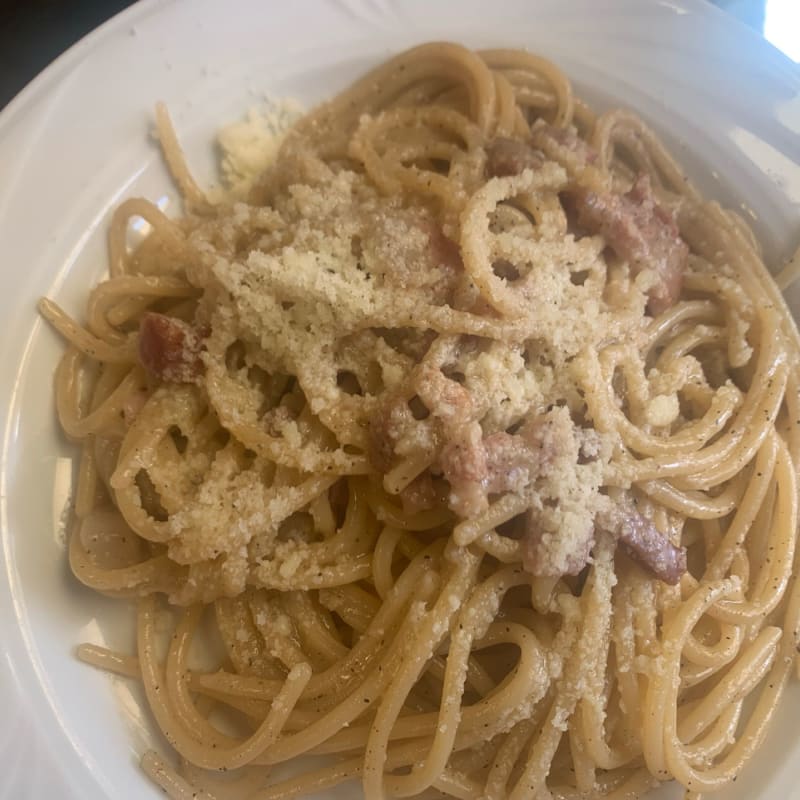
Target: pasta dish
460	451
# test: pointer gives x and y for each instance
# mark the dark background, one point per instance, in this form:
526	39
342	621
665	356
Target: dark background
34	32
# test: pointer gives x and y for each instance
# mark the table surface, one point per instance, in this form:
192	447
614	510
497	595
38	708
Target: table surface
34	32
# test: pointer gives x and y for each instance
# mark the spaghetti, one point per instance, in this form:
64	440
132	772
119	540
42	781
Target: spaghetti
474	435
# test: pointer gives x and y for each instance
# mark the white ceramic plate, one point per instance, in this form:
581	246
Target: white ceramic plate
76	141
